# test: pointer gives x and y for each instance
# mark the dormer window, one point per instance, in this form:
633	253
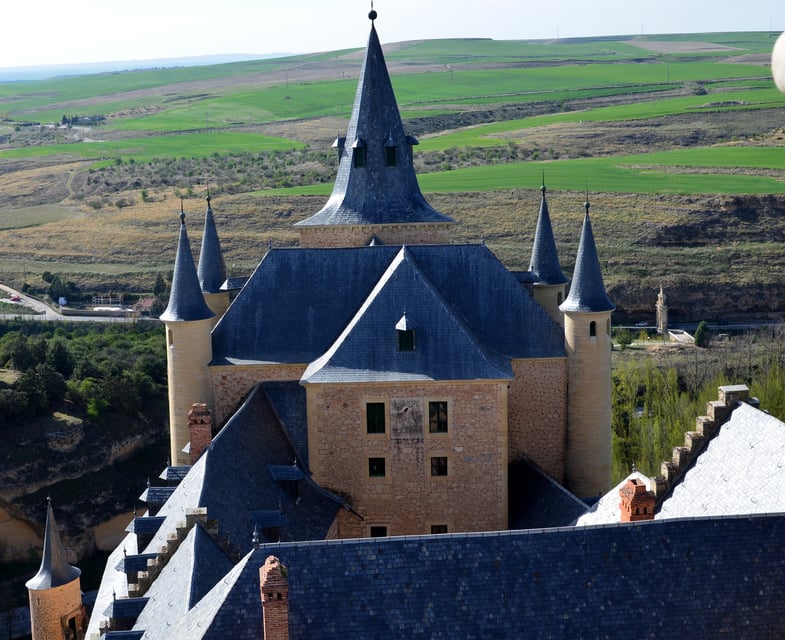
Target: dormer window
405	330
339	144
390	153
359	153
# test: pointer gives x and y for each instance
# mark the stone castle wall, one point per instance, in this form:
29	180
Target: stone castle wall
538	413
51	611
408	499
232	384
360	235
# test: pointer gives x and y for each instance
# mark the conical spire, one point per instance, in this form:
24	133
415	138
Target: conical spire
544	262
54	570
212	270
186	302
587	291
376	183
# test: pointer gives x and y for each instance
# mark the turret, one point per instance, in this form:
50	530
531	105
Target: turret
587	335
55	592
376	191
212	270
550	283
188	322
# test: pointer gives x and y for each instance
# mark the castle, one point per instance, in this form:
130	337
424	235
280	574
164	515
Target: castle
380	382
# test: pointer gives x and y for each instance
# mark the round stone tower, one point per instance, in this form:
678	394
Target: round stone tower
56	611
587	335
188	322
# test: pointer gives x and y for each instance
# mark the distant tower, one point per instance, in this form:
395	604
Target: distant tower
56	611
587	335
188	322
212	270
544	264
662	313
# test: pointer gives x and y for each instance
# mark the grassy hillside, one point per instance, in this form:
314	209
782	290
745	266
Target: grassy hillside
667	132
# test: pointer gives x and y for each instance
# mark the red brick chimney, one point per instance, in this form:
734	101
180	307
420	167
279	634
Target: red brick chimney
200	429
274	589
636	502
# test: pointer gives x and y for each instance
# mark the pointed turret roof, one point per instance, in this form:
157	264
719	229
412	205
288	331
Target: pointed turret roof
212	270
186	302
54	570
587	291
544	263
376	183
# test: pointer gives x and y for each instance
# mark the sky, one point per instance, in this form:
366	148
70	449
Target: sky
50	32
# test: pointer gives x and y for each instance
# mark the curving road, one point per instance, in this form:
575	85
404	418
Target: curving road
45	312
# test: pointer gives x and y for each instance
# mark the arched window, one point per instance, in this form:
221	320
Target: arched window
592	329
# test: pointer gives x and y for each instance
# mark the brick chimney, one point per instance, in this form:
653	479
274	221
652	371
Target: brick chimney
200	429
274	589
636	502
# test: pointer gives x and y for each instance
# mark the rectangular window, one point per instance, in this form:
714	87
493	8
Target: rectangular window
406	340
359	157
437	416
439	466
378	532
375	417
376	467
438	528
390	156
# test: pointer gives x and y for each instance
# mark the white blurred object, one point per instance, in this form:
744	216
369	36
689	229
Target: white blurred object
778	63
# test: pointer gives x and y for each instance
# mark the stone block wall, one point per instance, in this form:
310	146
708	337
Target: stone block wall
408	499
231	384
360	235
55	612
538	413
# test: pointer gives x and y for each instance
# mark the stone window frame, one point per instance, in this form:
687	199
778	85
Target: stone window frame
427	416
378	527
371	460
364	413
448	466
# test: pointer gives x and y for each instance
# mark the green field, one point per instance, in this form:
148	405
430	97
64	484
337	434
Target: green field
35	216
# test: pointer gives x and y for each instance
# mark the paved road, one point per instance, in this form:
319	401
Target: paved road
45	312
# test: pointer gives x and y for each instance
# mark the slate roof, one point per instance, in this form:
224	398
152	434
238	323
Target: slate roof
145	524
211	270
537	501
299	301
375	193
54	570
660	579
174	474
446	348
544	262
195	569
587	291
186	302
135	563
740	471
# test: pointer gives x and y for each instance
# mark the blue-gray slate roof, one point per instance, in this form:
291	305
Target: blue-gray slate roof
544	262
298	302
211	270
587	291
186	302
54	570
658	579
445	347
375	193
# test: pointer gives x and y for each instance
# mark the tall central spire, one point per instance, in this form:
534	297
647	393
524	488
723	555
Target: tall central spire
376	183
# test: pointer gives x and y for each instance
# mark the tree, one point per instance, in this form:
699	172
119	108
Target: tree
623	338
60	358
702	334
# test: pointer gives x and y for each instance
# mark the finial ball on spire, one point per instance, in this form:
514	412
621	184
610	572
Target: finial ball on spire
372	15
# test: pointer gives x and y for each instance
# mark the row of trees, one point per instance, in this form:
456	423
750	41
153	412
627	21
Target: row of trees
98	367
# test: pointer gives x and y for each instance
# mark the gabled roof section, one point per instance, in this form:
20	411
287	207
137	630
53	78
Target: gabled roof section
212	270
537	501
587	291
298	301
54	570
382	190
446	348
544	263
186	302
